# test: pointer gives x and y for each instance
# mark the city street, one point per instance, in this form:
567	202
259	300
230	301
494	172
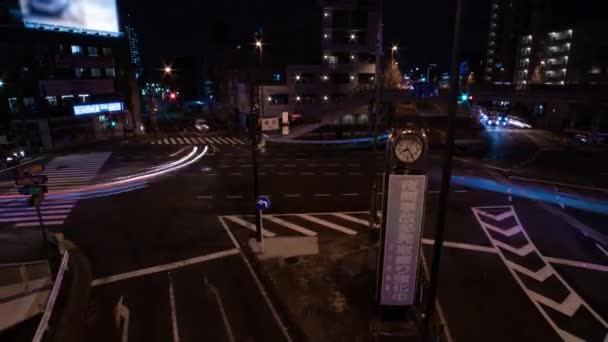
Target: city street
512	269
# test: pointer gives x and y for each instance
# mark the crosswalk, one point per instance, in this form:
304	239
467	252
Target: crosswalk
64	173
198	141
342	223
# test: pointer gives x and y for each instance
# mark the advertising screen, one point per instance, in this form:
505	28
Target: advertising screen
82	16
98	108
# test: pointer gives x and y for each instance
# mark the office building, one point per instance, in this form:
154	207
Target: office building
134	50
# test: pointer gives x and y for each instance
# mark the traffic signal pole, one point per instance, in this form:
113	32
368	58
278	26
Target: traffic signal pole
446	178
43	231
256	178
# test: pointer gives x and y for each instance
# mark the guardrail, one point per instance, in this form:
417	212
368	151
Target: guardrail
24	288
43	326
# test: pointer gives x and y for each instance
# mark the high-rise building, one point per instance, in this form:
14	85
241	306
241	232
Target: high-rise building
134	50
509	20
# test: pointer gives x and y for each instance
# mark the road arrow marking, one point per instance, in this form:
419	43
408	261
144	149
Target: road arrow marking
506	232
540	275
522	251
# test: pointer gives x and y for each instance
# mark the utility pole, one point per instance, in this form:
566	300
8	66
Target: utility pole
446	178
374	121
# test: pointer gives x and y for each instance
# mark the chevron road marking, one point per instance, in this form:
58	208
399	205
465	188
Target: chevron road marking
569	307
508	232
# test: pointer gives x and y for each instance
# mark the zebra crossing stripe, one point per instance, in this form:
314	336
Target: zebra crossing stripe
224	140
173	141
239	141
327	224
201	140
36	223
166	141
250	226
215	141
180	141
351	218
290	225
209	141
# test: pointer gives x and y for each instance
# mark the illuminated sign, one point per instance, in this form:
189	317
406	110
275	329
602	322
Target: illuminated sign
80	16
98	108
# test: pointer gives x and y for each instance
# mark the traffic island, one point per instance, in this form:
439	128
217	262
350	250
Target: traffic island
329	296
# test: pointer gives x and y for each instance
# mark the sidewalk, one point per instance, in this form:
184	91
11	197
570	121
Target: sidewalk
327	291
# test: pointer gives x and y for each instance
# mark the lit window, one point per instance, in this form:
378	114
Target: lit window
276	77
298	98
76	50
52	101
83	98
110	72
79	72
13	104
95	72
107	51
92	51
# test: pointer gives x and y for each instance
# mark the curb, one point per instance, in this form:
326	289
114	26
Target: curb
69	324
295	331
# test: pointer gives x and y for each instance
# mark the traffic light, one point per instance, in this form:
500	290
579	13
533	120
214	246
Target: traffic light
113	123
172	96
464	98
31	181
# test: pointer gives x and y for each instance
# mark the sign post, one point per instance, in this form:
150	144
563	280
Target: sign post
401	239
31	181
262	204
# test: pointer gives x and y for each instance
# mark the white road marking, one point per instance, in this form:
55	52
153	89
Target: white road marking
567	307
282	173
330	174
234	174
464	246
121	313
351	218
354	173
327	224
321	195
205	197
234	196
200	140
290	225
351	195
239	141
250	226
275	315
290	165
306	173
173	141
36	223
166	141
220	305
601	249
174	326
164	268
293	195
579	264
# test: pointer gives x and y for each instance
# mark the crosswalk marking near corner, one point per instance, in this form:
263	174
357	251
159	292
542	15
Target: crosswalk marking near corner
327	224
166	141
232	141
173	141
250	226
180	141
290	225
200	140
223	140
351	218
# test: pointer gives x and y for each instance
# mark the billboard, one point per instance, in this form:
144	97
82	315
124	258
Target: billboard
81	16
98	108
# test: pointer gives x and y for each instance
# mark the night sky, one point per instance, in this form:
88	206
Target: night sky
423	29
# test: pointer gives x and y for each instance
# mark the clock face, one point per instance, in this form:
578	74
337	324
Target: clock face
409	148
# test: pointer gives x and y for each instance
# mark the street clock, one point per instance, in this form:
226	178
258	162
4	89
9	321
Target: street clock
410	146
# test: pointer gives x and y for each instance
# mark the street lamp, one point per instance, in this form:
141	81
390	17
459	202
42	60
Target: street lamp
260	45
394	50
168	70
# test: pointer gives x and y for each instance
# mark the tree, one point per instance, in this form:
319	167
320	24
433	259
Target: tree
393	76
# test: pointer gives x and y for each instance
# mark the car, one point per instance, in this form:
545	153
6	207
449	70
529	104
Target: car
49	7
12	155
202	125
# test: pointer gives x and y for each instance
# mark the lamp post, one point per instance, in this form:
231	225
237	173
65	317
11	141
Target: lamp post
394	50
256	112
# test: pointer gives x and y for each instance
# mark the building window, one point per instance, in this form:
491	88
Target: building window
107	51
83	98
52	101
110	72
13	104
95	72
29	103
79	72
92	51
276	77
76	50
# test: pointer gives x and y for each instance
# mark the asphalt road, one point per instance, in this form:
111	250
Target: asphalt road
512	270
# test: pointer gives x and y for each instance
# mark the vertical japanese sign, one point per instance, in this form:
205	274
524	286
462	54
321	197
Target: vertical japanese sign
402	239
